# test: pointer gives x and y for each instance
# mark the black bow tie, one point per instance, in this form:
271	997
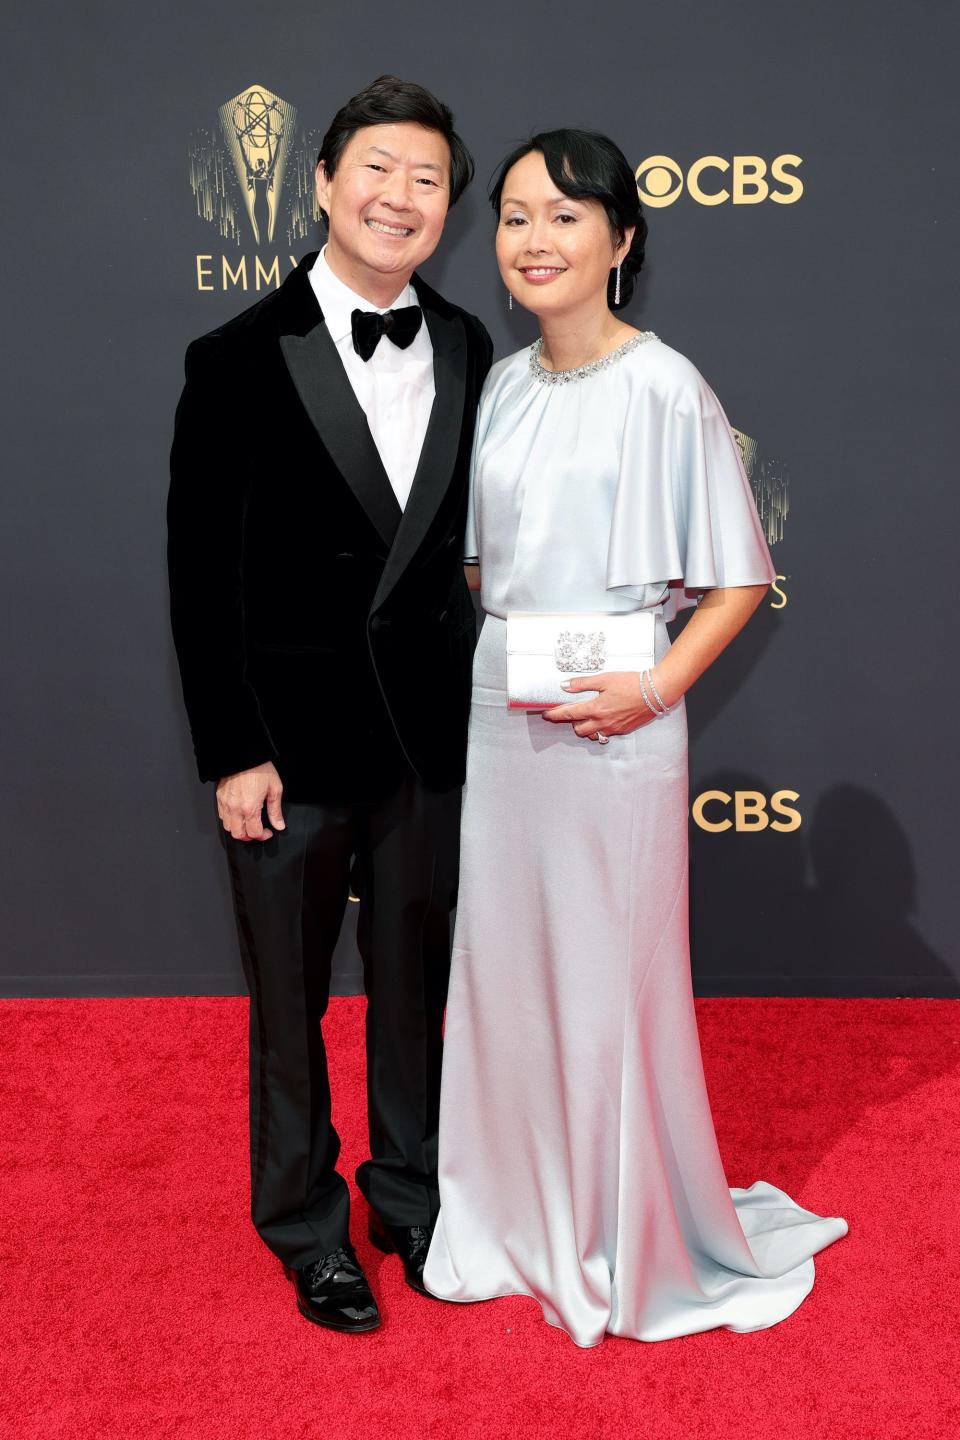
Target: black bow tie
400	325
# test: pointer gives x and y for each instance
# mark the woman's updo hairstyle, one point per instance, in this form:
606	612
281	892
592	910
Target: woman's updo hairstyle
588	166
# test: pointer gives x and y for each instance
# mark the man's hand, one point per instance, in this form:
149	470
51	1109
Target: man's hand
618	709
241	798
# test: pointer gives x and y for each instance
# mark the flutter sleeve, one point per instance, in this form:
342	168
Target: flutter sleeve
684	517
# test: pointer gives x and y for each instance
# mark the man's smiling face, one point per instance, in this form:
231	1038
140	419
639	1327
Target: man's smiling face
386	203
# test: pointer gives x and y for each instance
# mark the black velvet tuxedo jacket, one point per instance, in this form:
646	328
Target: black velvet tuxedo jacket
317	625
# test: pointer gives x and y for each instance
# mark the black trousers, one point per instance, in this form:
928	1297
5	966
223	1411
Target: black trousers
289	895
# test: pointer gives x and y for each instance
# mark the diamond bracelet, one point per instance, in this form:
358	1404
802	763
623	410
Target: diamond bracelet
660	709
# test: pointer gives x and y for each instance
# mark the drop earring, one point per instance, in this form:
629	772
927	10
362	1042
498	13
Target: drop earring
509	299
616	288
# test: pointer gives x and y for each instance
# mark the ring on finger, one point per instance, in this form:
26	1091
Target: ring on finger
603	739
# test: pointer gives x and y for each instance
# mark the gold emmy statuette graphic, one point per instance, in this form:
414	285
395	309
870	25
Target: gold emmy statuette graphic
770	483
258	127
253	165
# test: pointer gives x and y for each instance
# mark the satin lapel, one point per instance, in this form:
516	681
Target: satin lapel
440	445
327	395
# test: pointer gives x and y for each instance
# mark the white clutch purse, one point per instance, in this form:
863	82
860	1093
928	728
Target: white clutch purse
545	650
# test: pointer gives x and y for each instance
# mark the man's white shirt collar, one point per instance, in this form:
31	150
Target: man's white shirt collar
338	301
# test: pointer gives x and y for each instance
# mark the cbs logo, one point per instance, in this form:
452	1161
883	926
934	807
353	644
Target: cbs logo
712	180
746	811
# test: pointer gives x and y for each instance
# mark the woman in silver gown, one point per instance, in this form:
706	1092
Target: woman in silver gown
578	1160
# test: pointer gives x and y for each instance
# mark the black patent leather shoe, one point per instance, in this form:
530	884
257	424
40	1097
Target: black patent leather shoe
333	1292
410	1242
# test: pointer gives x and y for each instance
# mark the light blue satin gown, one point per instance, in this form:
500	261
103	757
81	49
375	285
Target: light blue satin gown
578	1159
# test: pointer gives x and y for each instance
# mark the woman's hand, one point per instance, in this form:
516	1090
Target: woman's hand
618	709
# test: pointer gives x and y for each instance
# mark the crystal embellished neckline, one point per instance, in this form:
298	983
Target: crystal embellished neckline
593	367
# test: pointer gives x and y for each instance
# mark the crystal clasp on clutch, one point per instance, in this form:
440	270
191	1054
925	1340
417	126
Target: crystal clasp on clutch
580	650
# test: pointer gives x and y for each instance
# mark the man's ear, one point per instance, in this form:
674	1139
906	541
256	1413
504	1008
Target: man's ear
323	187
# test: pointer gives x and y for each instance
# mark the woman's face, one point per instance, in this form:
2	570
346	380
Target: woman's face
554	253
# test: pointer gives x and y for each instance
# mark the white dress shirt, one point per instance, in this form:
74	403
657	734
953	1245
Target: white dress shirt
394	387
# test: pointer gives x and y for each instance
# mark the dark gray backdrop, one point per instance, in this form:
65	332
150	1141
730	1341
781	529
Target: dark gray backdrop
823	325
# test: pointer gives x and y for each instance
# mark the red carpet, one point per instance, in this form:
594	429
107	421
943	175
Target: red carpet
138	1301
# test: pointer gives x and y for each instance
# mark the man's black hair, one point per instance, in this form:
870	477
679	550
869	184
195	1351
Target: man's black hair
389	101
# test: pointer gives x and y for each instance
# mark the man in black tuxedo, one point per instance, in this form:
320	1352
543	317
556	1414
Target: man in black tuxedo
325	635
